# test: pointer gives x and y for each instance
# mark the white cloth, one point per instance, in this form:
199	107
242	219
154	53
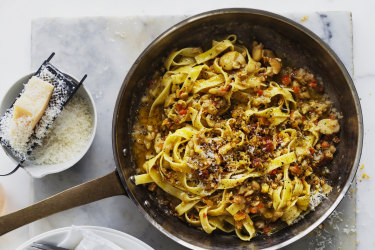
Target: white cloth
82	239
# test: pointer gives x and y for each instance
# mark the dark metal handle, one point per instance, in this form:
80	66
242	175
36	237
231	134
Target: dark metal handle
103	187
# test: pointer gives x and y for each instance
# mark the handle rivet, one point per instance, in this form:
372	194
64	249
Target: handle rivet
132	178
146	203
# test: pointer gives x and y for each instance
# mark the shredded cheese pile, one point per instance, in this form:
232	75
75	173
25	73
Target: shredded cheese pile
68	135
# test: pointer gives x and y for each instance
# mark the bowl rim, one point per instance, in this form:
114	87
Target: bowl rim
59	167
47	235
278	18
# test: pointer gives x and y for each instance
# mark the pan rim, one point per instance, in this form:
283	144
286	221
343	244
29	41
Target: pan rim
278	18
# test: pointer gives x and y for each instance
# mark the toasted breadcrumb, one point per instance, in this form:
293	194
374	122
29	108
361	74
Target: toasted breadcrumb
304	18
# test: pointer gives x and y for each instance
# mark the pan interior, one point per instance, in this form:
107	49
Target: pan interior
295	47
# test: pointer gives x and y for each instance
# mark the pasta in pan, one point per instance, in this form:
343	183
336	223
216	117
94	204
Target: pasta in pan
235	140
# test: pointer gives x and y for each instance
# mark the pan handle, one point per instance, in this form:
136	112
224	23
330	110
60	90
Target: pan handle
103	187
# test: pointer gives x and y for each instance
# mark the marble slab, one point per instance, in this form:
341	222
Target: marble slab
105	48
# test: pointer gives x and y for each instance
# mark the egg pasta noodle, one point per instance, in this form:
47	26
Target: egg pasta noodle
235	138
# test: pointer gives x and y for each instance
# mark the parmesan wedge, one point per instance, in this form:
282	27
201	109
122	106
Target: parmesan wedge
33	101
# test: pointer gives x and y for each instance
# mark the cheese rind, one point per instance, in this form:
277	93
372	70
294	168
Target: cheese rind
33	101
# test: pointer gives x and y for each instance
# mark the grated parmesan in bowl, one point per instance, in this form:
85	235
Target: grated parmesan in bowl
66	141
68	135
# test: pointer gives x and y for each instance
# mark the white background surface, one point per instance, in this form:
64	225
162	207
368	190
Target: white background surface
15	23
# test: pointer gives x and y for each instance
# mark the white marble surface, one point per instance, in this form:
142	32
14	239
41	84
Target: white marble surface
105	48
15	19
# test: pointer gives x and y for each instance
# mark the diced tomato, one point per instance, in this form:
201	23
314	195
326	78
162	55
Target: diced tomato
286	80
204	173
204	215
269	146
226	88
311	150
332	117
237	199
296	89
313	83
316	122
266	229
291	113
253	210
303	118
273	172
325	144
260	205
260	92
263	121
336	139
295	169
180	93
182	112
239	216
214	103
